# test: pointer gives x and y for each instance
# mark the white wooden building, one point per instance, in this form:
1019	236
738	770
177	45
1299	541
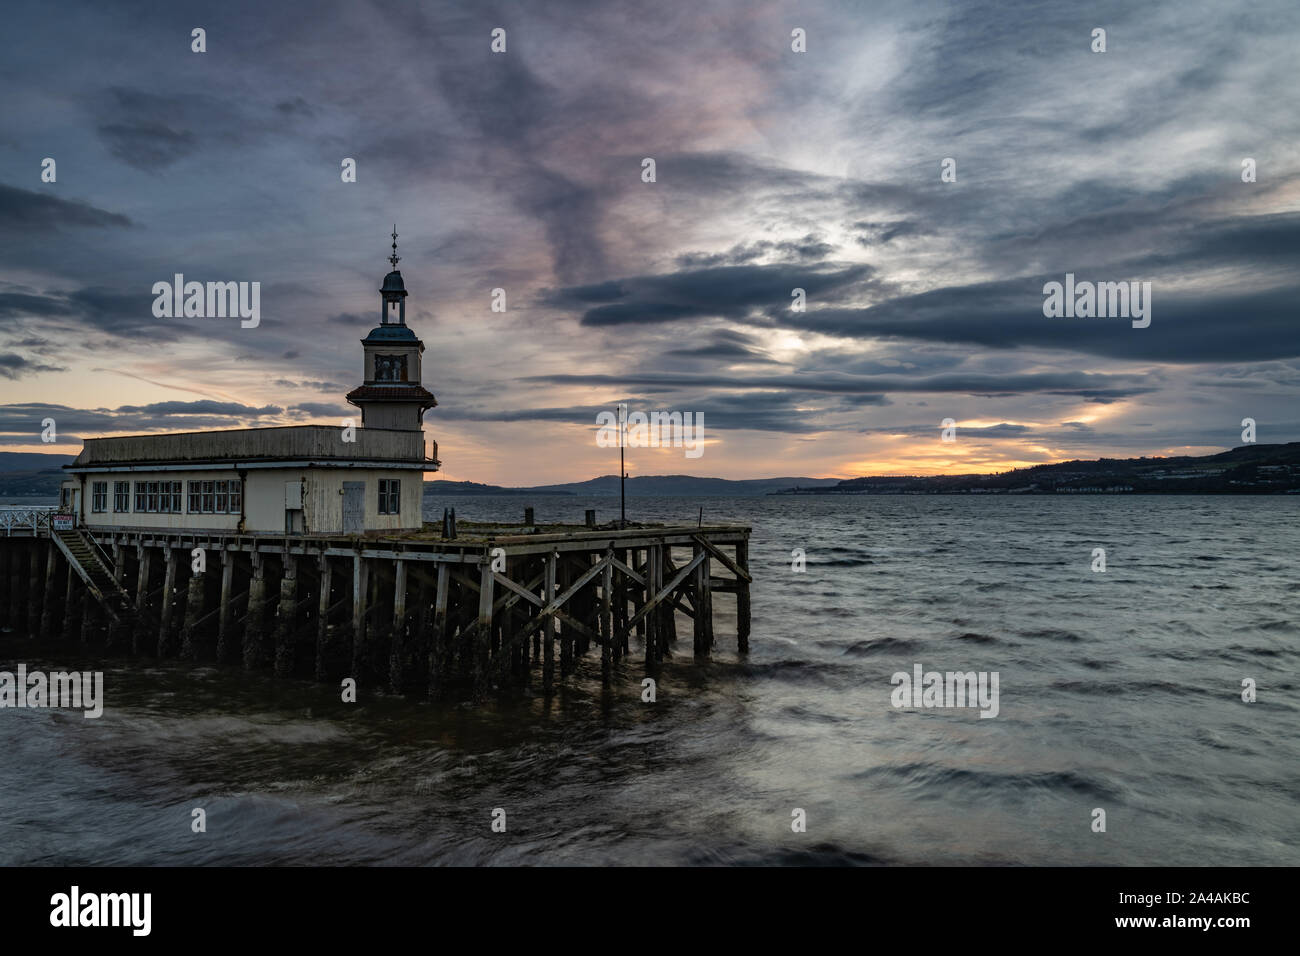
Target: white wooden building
303	479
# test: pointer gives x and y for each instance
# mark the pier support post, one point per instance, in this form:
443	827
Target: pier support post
17	561
483	637
287	618
6	554
225	616
253	619
607	619
89	615
195	595
144	557
165	612
620	608
17	591
548	626
639	595
438	639
653	568
71	606
669	632
742	599
323	605
703	607
359	574
397	648
51	573
563	578
119	631
34	590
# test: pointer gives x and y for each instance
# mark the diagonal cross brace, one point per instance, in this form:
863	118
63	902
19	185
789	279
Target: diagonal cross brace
669	588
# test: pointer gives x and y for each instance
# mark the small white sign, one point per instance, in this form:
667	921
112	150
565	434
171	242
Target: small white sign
63	522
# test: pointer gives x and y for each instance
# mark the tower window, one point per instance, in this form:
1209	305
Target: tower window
99	496
390	368
390	496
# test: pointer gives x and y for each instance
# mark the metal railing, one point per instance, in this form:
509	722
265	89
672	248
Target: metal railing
26	521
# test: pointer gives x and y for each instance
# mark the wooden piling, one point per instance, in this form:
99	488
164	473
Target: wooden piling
607	618
548	626
71	607
324	600
286	624
358	613
438	639
703	605
89	616
254	618
483	636
742	599
397	645
226	615
165	642
34	588
144	558
47	602
195	595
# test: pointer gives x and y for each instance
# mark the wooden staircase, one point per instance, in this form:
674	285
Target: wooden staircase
92	566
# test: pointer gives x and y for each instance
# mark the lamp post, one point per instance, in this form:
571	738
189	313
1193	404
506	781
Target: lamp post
622	470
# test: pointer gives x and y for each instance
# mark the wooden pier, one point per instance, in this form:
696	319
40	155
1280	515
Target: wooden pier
491	607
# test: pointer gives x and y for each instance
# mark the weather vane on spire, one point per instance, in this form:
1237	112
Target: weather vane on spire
394	258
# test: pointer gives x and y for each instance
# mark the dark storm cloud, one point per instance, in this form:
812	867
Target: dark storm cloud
147	146
151	131
883	233
296	106
121	315
929	429
128	315
337	387
724	291
809	248
202	407
1242	326
13	366
777	411
726	345
1094	386
23	212
22	422
321	409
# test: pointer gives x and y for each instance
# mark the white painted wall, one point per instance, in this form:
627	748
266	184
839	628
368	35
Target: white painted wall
264	500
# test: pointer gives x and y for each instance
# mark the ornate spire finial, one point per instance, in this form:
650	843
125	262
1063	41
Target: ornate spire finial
394	258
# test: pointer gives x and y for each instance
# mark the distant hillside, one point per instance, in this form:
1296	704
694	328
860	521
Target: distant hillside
642	485
1253	469
31	473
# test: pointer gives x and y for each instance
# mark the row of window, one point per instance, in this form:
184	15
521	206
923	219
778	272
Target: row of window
164	497
205	497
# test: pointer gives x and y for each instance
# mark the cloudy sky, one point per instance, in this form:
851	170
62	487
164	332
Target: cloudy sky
775	170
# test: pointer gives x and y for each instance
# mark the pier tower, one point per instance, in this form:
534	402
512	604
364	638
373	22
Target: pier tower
392	395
